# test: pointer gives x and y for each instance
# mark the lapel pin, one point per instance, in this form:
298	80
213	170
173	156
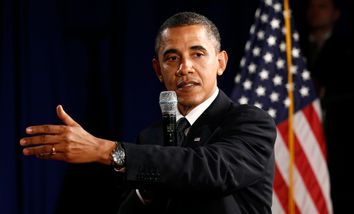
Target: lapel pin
197	139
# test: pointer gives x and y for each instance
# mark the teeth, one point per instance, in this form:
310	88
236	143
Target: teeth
186	85
181	85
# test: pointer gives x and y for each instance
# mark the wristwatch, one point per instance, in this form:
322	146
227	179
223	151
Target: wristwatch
118	157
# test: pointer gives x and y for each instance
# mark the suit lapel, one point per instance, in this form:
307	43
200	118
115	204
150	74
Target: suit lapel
207	124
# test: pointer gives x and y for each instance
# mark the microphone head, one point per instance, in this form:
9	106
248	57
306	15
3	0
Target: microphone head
168	102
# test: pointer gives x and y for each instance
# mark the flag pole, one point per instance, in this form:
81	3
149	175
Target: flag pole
291	204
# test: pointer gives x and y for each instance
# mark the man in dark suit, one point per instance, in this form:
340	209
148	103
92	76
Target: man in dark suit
225	164
330	55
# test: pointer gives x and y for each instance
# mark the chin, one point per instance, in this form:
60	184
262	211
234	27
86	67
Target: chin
191	101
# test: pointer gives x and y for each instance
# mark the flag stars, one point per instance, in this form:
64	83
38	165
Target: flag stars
277	80
252	68
247	85
294	69
256	51
283	30
268	57
272	112
252	29
258	12
269	2
280	64
275	23
305	75
282	46
277	7
264	18
274	97
243	62
295	52
296	36
243	100
290	86
260	91
238	78
264	74
287	102
287	13
248	45
271	40
260	35
304	91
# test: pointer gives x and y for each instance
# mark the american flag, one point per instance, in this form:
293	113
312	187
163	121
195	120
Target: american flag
262	81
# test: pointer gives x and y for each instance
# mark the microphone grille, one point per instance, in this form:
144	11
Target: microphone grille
168	97
168	102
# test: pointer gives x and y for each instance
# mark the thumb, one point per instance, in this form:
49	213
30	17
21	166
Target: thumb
65	117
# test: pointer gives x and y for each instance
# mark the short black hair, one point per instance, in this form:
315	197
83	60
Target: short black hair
186	19
335	3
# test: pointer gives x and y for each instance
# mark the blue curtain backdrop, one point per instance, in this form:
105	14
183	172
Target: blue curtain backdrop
94	58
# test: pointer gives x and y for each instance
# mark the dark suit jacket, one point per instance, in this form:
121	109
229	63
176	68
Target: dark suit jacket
227	165
332	70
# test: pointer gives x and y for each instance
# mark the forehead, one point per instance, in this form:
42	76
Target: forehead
321	2
186	37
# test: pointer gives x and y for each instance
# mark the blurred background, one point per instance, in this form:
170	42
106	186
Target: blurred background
94	58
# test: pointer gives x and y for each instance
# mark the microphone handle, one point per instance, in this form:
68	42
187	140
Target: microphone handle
169	129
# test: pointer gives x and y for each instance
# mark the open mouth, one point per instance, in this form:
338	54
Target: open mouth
186	85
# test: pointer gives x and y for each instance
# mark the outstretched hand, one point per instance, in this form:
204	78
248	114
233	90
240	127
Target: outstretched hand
68	142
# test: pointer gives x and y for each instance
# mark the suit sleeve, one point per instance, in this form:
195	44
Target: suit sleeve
237	154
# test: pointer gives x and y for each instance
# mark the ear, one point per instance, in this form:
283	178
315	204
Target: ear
157	69
222	59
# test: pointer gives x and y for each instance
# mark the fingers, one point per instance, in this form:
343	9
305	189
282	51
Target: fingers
58	156
65	117
42	150
52	152
42	139
57	142
45	129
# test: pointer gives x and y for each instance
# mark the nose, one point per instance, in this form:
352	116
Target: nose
185	67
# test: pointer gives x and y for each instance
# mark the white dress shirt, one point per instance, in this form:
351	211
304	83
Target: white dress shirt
192	116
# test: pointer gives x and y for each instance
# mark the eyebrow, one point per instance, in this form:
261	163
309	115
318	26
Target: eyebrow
169	51
198	47
195	47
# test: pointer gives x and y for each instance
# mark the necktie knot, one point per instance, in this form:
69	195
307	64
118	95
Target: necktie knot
182	124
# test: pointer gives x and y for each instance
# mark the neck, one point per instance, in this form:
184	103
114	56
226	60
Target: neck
184	110
320	34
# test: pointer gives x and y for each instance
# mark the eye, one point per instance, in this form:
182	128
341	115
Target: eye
171	58
198	54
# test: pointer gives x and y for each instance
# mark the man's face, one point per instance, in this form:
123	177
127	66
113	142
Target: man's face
322	14
188	64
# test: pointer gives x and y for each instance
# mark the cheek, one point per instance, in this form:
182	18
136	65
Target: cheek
208	73
169	82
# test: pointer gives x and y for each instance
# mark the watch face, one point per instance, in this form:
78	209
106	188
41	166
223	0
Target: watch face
118	157
114	156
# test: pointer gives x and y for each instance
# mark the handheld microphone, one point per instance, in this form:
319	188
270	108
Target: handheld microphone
168	105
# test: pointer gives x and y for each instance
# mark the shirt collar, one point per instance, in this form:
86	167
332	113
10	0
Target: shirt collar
326	36
193	115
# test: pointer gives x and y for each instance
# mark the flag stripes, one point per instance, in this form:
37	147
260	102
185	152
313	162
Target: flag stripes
262	82
311	170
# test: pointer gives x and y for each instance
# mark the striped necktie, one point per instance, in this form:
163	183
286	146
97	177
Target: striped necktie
182	125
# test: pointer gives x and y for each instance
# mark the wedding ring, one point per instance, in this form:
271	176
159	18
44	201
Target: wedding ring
53	152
